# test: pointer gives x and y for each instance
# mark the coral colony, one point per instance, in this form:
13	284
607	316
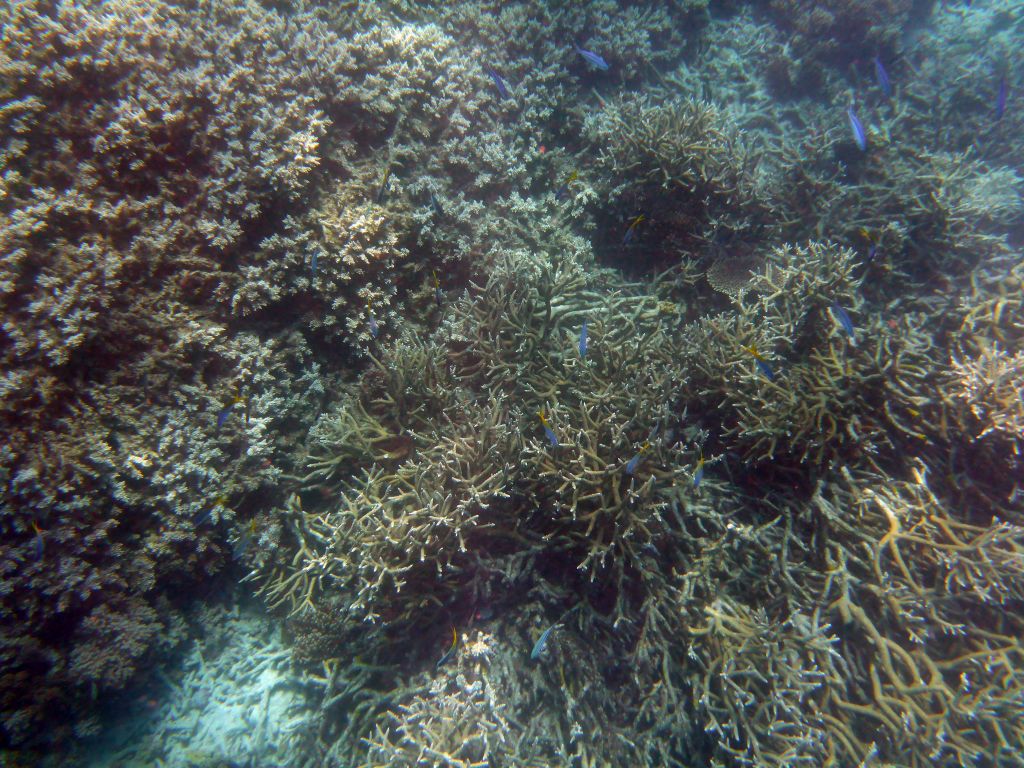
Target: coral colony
520	385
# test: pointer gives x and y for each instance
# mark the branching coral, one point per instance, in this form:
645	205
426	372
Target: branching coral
934	614
686	165
551	516
992	387
140	149
449	486
930	215
822	395
836	31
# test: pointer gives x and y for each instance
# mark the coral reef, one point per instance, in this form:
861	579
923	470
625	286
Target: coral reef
129	188
568	381
686	166
837	32
797	596
234	695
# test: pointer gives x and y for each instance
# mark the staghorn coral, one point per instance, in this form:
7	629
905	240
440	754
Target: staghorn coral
958	61
687	165
753	681
929	629
450	509
991	385
837	31
756	587
828	397
819	597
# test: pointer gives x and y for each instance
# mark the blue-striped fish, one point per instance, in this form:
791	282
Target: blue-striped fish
844	321
39	544
371	321
498	82
635	461
382	193
592	58
435	205
222	417
563	190
542	642
631	229
1001	97
583	340
451	649
698	474
245	540
762	364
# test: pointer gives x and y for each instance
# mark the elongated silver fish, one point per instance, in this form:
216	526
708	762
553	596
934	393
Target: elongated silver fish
857	127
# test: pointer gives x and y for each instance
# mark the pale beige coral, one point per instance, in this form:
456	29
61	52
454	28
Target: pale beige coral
991	384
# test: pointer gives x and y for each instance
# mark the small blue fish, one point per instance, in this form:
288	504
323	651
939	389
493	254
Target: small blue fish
246	538
552	438
382	193
872	253
1001	98
39	543
451	650
698	475
635	461
498	82
371	321
762	364
844	320
435	205
583	340
312	264
542	642
204	516
857	127
765	369
883	78
592	58
631	229
563	190
222	417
